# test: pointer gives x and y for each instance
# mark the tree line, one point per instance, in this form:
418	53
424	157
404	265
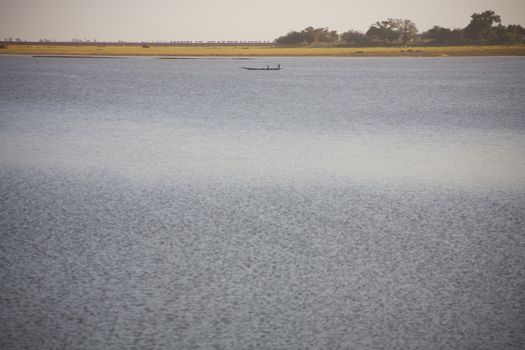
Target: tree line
484	28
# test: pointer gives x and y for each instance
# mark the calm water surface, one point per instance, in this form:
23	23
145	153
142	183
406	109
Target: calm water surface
336	204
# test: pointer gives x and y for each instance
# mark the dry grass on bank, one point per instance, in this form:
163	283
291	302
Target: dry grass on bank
240	51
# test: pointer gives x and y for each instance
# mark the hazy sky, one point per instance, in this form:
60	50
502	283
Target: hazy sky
141	20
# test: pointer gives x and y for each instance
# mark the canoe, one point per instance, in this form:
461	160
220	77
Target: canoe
267	68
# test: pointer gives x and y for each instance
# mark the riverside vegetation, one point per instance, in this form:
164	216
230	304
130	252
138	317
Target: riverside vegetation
484	29
483	36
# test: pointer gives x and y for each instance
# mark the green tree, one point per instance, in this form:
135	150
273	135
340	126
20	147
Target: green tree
308	35
315	35
517	31
332	36
354	37
393	29
407	30
437	34
441	35
457	36
382	31
480	27
292	38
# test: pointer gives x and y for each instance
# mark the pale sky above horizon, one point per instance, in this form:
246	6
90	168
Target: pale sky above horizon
166	20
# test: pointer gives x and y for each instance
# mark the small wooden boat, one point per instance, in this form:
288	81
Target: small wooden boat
267	68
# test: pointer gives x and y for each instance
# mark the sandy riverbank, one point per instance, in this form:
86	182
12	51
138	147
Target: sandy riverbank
247	51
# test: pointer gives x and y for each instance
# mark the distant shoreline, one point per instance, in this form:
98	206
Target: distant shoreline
109	50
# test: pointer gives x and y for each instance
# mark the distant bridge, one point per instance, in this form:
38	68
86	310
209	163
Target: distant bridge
139	43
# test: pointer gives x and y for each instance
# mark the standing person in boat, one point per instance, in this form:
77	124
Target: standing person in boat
268	67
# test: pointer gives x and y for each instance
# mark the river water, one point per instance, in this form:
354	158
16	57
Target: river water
340	203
